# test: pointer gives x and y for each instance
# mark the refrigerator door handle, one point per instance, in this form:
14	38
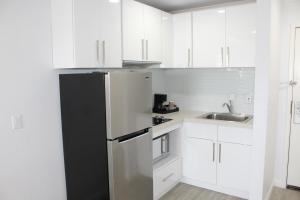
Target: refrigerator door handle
133	136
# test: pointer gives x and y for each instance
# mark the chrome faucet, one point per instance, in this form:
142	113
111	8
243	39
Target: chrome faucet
229	106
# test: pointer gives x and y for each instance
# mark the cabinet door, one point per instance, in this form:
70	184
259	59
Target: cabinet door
167	40
152	25
133	30
88	35
112	35
199	160
209	38
241	31
182	29
97	41
233	166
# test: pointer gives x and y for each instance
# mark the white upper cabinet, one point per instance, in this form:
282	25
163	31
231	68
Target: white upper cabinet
182	40
152	23
133	31
167	40
83	37
240	35
209	38
141	32
224	37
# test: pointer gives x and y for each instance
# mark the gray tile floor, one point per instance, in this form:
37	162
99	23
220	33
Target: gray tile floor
283	194
187	192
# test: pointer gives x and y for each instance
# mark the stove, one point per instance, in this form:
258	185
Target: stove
159	120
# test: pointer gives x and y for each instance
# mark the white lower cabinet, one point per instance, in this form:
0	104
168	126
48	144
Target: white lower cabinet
214	164
166	177
199	160
234	166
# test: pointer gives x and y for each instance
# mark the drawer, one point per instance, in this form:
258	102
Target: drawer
165	178
201	131
235	135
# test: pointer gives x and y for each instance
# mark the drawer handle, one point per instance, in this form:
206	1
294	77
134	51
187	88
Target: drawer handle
165	179
214	147
220	153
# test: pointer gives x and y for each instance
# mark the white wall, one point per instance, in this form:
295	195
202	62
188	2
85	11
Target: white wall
266	97
207	89
31	159
291	17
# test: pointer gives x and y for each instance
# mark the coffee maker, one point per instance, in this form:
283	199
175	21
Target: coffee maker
161	105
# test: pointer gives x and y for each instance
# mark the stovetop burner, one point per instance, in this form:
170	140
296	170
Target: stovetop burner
159	120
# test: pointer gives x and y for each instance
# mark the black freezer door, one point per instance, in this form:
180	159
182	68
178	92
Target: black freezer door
84	136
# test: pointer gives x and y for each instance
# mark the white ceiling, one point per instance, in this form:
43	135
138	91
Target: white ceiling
175	5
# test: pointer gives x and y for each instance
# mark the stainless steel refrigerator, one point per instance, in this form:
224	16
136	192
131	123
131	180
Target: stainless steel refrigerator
106	126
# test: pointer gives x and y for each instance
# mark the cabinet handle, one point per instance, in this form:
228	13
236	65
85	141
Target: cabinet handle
228	57
163	145
146	49
220	152
214	145
143	49
169	176
98	51
189	57
222	56
104	52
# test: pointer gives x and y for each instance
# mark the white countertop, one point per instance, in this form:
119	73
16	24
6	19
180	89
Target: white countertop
190	116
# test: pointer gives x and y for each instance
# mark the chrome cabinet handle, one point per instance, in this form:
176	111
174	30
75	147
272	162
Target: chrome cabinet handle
189	57
222	56
104	52
214	145
169	176
146	49
220	152
98	51
143	49
291	108
228	57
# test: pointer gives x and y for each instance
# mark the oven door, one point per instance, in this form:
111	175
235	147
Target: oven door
160	148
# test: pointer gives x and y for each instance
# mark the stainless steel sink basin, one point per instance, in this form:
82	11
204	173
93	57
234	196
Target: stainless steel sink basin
227	117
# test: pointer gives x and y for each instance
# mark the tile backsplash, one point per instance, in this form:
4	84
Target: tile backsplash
207	89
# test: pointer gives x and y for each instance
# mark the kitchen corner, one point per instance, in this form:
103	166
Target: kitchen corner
193	150
178	118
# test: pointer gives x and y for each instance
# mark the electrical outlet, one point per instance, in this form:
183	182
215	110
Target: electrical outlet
249	99
17	122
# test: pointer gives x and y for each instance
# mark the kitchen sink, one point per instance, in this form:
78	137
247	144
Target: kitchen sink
227	117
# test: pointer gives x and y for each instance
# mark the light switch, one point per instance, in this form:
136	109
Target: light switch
297	112
17	122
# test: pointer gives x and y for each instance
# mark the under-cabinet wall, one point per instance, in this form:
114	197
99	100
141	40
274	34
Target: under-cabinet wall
207	89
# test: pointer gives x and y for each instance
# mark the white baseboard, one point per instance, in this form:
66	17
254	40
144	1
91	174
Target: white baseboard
232	192
268	195
279	183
